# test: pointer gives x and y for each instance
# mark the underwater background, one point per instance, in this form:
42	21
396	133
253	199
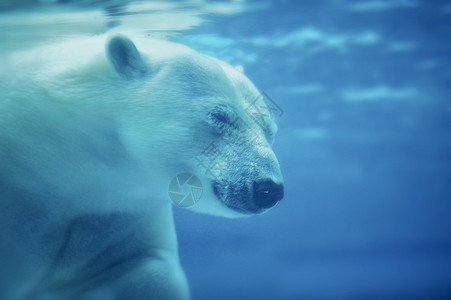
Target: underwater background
364	141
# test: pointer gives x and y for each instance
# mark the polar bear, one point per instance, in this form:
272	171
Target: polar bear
92	130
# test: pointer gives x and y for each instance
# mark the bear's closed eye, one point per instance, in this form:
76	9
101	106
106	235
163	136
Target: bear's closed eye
222	118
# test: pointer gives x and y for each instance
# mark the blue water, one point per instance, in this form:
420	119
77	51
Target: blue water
364	145
364	142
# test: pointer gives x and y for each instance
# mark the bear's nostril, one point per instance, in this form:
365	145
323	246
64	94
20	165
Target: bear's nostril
267	193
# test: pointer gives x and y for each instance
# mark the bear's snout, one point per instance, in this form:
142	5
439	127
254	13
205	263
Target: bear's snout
266	193
249	197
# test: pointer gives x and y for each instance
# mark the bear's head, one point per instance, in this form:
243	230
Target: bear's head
202	117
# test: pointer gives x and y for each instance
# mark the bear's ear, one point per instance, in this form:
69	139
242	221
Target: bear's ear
125	58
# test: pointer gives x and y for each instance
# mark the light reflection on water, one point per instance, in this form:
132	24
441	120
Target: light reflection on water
47	20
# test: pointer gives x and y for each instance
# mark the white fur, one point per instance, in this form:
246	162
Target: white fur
84	150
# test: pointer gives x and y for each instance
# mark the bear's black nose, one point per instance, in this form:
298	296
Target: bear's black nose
267	193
